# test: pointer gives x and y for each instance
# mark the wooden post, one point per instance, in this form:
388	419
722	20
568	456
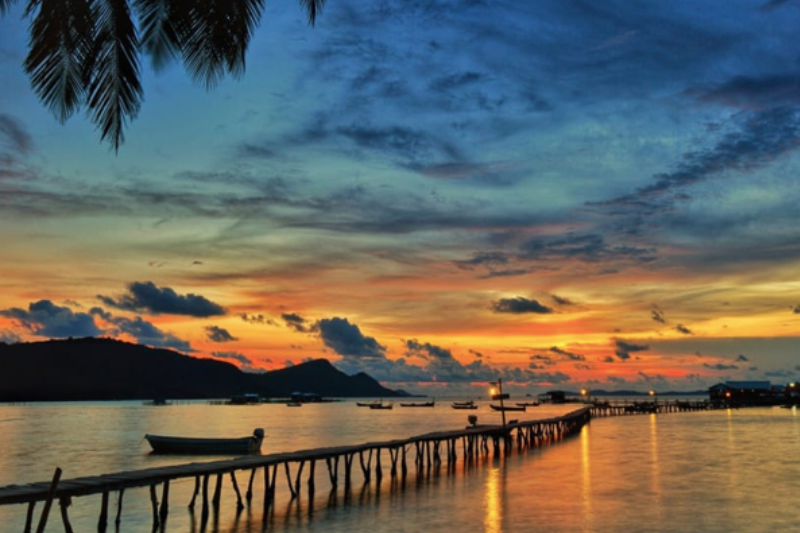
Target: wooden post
51	492
311	473
217	492
196	490
164	502
249	495
204	516
154	505
239	504
29	517
65	502
118	519
102	522
289	480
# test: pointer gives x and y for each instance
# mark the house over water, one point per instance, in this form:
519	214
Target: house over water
742	393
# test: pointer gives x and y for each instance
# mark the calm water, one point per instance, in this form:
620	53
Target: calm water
718	471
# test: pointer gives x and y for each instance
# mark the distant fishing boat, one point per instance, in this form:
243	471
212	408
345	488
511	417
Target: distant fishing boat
469	404
207	446
381	405
528	404
424	404
507	408
294	404
367	404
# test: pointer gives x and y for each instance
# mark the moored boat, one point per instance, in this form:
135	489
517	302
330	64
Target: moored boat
507	408
206	446
424	404
381	405
464	405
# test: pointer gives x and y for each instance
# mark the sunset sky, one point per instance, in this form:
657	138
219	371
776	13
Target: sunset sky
561	193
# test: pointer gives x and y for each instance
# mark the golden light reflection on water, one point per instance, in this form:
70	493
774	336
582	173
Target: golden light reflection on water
655	462
586	478
493	502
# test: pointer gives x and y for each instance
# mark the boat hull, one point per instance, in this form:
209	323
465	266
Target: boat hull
205	446
498	408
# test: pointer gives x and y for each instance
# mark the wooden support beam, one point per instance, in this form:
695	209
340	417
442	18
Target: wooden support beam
311	482
378	469
154	505
29	517
64	503
102	521
48	502
289	480
118	518
205	498
196	491
164	502
249	495
217	492
239	504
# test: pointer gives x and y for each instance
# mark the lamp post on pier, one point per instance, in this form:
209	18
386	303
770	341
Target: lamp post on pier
497	394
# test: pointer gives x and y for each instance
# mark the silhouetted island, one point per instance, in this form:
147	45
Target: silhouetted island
108	369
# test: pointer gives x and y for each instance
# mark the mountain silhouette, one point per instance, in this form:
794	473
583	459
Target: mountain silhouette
107	369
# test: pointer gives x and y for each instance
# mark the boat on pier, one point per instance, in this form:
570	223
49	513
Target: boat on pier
207	446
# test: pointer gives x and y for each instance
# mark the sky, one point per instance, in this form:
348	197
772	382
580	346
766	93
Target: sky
562	194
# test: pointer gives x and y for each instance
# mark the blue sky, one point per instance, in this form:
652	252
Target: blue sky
477	177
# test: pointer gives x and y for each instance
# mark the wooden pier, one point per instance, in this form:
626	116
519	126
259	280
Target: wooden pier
427	451
625	407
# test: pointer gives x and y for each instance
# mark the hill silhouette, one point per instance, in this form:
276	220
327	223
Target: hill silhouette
108	369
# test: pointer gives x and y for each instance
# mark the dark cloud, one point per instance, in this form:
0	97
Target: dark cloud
608	359
742	358
545	359
143	331
426	350
519	305
658	316
347	340
569	355
218	334
745	92
797	309
720	366
146	296
484	259
14	136
257	319
779	374
680	328
554	378
296	322
562	301
589	248
757	140
772	4
624	349
235	356
455	81
49	320
478	355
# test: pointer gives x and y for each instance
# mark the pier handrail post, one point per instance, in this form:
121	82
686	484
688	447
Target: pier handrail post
49	501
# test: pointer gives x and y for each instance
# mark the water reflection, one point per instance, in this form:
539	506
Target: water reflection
493	501
586	478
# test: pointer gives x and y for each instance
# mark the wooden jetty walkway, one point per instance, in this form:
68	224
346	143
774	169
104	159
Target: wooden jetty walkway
427	451
625	407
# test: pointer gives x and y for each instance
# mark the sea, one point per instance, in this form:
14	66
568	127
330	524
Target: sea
699	472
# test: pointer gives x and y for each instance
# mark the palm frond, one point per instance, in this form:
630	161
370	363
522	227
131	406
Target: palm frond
215	38
62	33
312	9
160	22
115	92
5	5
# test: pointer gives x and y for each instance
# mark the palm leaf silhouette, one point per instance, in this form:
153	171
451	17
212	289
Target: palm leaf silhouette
87	52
